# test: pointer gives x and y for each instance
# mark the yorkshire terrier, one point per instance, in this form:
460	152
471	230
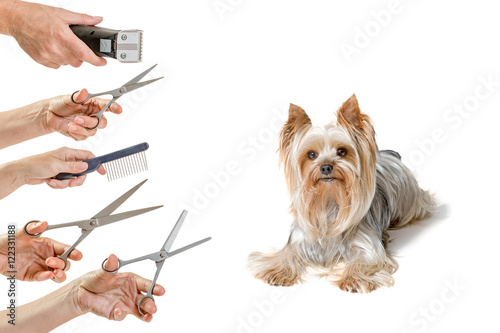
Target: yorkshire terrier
345	196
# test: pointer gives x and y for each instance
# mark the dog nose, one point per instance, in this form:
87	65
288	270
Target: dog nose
326	169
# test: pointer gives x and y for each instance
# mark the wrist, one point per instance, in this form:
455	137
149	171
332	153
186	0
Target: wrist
78	293
40	116
13	174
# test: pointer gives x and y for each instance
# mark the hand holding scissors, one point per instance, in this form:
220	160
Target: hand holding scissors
102	218
158	257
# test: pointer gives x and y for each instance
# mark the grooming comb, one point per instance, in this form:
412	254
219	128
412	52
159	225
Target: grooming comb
118	164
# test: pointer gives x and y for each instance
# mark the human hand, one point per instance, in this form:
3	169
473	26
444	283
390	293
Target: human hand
113	296
43	33
70	119
41	168
34	255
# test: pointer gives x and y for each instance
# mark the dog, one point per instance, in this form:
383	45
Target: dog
345	196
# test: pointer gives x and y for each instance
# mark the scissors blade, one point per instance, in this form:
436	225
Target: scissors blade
173	234
101	221
140	76
115	204
134	86
187	247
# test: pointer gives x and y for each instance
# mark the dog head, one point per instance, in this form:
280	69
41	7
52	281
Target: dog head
330	170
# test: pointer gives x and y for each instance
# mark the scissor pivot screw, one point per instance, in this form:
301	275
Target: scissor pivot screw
162	255
124	37
123	55
92	223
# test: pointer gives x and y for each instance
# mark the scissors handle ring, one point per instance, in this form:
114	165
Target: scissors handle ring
26	231
111	272
98	116
81	103
140	301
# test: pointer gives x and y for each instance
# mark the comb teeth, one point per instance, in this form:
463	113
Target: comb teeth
126	166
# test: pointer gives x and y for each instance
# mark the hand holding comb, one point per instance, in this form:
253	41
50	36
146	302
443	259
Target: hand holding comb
118	164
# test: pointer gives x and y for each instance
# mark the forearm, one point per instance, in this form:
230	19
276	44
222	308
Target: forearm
10	178
23	124
46	313
6	11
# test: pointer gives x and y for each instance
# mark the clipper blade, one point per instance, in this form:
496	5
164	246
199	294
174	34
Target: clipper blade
126	166
129	46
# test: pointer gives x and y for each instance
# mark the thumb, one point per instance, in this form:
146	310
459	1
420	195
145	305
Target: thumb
36	227
77	97
71	167
112	263
78	18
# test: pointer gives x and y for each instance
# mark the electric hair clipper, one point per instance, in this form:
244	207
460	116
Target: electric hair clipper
123	45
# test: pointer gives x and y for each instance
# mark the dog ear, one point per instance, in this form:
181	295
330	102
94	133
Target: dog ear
350	117
349	113
297	119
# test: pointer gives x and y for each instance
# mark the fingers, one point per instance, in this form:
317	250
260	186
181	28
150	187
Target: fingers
148	306
60	184
144	284
56	263
69	154
114	108
50	64
60	248
81	51
86	121
101	170
71	166
57	275
119	314
84	19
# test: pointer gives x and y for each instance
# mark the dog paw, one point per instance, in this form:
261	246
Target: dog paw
273	271
278	277
356	285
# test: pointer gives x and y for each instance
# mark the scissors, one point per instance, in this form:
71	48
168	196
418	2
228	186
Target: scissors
102	218
117	93
159	257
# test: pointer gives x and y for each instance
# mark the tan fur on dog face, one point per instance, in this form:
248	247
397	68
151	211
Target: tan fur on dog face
353	184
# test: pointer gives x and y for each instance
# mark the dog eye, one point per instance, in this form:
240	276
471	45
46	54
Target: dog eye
341	152
312	154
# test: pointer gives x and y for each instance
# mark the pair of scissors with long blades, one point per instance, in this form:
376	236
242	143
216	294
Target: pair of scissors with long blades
117	93
158	257
102	218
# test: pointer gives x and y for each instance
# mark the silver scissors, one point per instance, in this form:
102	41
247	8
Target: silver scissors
102	218
117	93
159	257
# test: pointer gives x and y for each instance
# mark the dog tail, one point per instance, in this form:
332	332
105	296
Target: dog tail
392	152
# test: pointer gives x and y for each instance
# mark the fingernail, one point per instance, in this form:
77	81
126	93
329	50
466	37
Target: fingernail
79	121
52	183
59	274
51	262
73	128
98	18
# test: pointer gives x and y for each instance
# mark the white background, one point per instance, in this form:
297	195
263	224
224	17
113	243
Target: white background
226	80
